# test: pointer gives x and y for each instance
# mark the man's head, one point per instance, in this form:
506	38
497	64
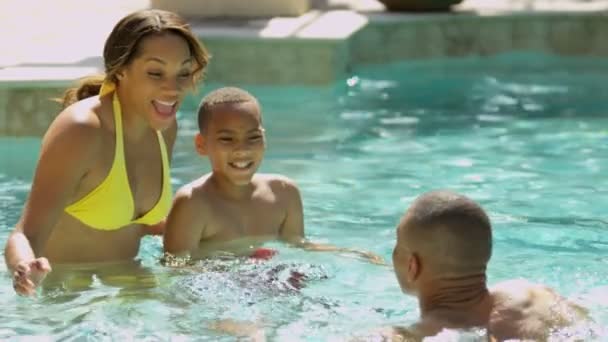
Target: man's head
443	235
231	133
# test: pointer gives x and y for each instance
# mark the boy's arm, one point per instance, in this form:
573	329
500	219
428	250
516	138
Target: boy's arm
369	256
292	230
184	226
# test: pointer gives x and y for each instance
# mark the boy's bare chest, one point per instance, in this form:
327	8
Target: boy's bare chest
229	221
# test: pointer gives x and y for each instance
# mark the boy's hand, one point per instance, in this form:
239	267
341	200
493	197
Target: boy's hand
371	257
251	331
157	229
29	274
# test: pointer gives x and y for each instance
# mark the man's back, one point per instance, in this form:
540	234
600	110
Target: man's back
523	309
520	310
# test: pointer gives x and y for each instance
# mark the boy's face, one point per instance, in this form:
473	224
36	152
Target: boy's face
234	141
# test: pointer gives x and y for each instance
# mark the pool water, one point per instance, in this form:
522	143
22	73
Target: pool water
525	135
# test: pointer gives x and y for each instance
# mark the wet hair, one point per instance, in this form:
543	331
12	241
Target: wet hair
221	96
449	229
123	45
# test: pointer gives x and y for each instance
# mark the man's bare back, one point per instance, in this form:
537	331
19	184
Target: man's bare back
520	310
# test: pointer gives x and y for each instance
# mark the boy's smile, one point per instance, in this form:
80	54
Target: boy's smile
241	165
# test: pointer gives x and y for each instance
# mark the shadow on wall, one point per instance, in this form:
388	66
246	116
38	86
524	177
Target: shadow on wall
234	8
419	5
287	8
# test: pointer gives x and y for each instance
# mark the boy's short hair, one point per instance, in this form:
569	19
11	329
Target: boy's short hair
221	96
454	230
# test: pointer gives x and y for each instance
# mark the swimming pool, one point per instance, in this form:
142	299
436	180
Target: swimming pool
525	135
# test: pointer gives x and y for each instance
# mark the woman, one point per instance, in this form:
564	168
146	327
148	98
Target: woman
102	178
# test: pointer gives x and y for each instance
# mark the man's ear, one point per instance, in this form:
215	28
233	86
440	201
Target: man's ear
200	144
413	267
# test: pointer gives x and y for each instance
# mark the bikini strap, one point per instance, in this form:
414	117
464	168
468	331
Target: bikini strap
117	123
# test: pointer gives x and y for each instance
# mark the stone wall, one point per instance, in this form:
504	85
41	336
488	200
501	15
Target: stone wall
25	108
276	61
388	39
393	37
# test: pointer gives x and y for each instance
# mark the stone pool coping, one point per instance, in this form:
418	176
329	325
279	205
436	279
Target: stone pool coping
319	47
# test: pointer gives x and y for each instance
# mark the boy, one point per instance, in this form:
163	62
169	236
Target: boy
233	209
444	243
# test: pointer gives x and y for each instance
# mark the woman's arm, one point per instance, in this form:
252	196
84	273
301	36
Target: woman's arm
68	149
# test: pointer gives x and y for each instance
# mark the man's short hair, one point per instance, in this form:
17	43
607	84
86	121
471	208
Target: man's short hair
449	228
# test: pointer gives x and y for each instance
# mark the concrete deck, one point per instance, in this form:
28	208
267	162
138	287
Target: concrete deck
49	44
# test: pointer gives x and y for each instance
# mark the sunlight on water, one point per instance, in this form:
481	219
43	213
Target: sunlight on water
529	143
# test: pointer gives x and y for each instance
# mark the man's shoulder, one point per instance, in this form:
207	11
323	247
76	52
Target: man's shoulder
521	292
536	307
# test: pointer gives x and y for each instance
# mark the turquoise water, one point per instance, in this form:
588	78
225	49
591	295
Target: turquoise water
526	136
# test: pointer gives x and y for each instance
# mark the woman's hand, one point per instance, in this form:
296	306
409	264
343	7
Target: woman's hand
29	274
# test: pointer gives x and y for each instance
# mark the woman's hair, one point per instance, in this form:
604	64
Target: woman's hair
123	44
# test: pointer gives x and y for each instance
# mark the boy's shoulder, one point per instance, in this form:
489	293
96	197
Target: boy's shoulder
193	192
277	183
274	179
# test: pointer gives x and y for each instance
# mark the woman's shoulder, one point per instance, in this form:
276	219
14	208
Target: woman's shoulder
79	126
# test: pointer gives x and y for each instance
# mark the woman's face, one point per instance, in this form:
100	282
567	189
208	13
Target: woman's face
154	83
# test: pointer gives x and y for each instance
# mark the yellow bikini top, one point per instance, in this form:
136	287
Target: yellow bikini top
110	206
